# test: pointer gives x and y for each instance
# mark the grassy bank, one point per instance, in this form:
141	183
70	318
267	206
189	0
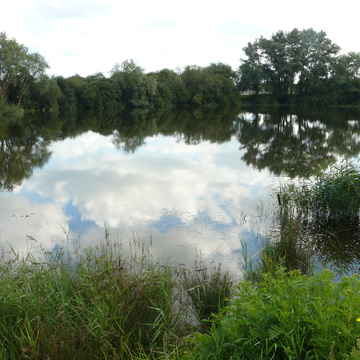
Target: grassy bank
99	303
102	304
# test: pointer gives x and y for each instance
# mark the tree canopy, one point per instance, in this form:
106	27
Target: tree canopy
19	68
298	62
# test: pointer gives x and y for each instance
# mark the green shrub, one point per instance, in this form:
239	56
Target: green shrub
355	352
286	316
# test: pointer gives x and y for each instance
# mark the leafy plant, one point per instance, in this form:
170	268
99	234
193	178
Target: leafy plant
286	316
355	352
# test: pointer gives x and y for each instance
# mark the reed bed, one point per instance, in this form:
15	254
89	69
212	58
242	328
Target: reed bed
96	303
331	193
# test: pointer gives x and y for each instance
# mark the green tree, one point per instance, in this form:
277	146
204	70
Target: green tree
300	61
32	69
43	94
210	86
345	82
316	57
19	69
11	56
137	89
68	101
250	72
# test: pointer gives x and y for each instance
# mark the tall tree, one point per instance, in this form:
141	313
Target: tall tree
295	61
19	69
11	57
316	57
31	70
137	89
250	73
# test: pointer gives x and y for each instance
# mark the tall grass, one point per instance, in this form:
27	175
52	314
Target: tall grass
284	245
331	193
94	303
325	211
209	287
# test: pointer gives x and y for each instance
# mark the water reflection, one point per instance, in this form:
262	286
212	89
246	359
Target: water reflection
337	243
182	180
22	149
295	143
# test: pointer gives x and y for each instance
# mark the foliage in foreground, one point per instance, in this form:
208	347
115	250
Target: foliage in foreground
287	316
96	304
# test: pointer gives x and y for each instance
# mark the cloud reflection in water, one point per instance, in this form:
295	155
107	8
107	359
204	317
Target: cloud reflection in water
182	196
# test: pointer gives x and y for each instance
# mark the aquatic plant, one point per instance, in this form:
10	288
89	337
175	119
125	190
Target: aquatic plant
332	192
281	246
109	301
209	287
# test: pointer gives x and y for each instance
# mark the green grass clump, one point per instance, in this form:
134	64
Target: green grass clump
330	193
320	215
97	307
286	316
284	246
99	303
209	288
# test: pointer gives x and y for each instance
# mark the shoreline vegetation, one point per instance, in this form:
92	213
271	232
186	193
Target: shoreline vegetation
298	68
115	301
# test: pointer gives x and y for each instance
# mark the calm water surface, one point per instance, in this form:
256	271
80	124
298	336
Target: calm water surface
184	183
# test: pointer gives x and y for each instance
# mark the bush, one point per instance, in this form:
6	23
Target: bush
286	316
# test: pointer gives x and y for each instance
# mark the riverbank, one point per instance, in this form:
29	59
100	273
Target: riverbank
96	304
268	101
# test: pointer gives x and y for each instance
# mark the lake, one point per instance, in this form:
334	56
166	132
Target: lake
186	183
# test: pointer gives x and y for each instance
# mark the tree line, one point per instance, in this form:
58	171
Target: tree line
299	67
302	67
24	82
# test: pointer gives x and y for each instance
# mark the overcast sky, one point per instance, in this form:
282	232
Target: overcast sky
89	36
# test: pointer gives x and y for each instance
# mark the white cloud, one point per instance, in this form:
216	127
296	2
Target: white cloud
158	35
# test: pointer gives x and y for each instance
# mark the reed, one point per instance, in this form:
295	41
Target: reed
331	193
209	287
102	302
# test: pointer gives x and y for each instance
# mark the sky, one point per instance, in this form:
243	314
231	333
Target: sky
89	36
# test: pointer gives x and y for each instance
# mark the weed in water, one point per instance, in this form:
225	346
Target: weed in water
332	192
209	287
284	246
100	302
325	209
